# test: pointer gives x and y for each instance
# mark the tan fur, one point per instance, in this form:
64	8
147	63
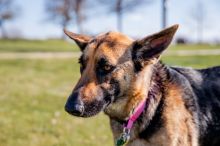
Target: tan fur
178	129
178	120
139	89
138	142
90	92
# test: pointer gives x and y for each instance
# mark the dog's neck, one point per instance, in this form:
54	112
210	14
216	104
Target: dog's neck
155	93
151	117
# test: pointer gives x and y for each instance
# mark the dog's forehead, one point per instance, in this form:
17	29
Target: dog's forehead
114	36
110	45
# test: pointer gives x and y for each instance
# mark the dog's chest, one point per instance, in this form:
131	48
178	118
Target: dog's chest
157	139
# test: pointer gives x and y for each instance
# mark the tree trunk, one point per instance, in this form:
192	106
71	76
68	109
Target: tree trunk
2	30
164	13
119	15
79	15
200	17
119	21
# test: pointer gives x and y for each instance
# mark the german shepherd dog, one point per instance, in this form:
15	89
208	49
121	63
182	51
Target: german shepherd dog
117	73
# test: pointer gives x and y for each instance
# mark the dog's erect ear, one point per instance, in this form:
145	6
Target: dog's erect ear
152	46
81	40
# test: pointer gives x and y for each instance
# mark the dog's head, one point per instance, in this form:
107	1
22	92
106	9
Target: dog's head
113	68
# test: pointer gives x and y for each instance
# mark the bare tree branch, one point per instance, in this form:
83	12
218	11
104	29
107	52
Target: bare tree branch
65	11
7	12
198	16
122	6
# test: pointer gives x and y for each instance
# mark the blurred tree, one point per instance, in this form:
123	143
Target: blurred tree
198	16
64	11
7	12
164	13
121	6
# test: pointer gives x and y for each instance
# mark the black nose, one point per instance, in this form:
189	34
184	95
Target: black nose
74	106
76	110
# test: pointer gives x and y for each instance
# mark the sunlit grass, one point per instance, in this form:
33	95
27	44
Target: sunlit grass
192	61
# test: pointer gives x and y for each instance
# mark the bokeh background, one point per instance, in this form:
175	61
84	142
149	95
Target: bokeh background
38	64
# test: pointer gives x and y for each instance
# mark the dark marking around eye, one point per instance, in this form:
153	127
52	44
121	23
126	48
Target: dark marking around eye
102	62
82	63
103	67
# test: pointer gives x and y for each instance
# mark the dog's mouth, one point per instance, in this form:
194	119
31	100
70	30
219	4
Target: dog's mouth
87	109
93	108
78	105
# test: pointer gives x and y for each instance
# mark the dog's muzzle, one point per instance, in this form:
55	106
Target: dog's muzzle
74	105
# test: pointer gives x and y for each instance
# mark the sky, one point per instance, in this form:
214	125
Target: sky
32	22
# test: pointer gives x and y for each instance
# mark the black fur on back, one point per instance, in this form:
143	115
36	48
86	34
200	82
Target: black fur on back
206	86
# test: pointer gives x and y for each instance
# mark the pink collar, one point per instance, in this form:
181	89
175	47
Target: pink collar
125	136
137	112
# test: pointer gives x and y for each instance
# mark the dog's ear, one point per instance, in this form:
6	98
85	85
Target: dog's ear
80	39
151	47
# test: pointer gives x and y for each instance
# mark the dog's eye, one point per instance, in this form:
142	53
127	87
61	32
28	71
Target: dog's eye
107	68
103	67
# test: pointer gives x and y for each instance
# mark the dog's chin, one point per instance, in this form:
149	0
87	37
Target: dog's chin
93	108
89	114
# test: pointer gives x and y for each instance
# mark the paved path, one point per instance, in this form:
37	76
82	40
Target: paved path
193	52
64	55
38	55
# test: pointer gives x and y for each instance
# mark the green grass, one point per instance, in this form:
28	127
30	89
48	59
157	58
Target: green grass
192	61
36	46
61	45
32	98
194	47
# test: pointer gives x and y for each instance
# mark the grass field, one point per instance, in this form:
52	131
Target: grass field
32	98
61	45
